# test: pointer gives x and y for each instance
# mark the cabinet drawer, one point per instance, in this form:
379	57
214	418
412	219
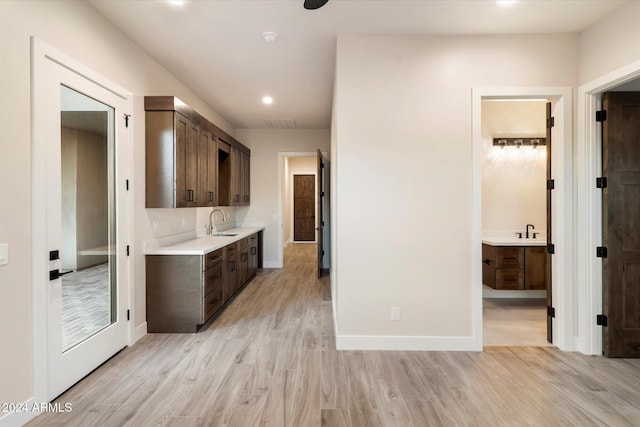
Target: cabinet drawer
509	257
511	279
213	277
231	249
212	257
212	302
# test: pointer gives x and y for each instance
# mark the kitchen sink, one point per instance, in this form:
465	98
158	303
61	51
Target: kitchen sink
224	235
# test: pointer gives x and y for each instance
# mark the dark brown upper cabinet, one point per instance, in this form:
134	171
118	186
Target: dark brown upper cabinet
186	161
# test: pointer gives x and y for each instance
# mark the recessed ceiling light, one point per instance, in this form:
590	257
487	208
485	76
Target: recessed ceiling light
269	36
176	2
506	3
267	100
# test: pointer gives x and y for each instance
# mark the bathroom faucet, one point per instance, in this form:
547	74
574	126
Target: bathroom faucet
210	225
532	227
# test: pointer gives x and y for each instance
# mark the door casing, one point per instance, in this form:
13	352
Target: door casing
588	152
562	207
41	55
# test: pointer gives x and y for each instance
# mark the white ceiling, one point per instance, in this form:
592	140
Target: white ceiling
216	48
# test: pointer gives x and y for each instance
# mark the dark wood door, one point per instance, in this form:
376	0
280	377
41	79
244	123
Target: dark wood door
304	216
549	284
621	224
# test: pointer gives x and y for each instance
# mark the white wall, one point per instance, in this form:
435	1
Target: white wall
610	43
513	179
404	168
77	30
265	144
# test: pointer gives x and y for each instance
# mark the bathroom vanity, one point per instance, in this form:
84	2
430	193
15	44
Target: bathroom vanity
514	264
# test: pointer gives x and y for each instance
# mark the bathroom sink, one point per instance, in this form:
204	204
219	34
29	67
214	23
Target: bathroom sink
224	235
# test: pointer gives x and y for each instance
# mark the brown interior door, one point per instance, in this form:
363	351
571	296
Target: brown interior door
621	224
549	284
304	215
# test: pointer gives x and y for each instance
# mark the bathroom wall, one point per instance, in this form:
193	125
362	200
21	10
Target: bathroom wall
513	179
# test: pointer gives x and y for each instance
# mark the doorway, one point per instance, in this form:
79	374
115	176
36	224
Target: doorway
561	204
80	220
514	222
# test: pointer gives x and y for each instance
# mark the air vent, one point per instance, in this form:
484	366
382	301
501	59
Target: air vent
280	123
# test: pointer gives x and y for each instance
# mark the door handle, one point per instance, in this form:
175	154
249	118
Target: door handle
55	274
486	261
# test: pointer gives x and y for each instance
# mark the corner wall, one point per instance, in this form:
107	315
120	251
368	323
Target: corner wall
404	167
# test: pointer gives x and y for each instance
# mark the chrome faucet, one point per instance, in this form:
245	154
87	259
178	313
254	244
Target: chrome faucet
210	225
532	227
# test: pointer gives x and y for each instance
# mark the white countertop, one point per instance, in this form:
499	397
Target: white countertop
513	241
201	245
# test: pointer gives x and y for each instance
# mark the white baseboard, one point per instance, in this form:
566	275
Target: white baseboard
493	293
409	343
139	332
14	419
271	264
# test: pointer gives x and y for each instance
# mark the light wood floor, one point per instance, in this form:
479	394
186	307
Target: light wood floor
514	322
270	360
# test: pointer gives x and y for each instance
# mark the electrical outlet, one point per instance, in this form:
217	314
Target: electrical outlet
395	313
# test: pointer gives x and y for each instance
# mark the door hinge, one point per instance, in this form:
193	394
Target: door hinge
126	184
602	320
551	248
321	165
322	194
601	252
322	252
128	314
551	311
601	116
601	182
551	122
126	120
127	250
551	184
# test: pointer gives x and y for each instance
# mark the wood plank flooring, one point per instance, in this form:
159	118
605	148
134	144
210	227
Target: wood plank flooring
270	360
514	322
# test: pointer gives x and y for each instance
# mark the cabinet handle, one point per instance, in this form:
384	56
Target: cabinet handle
510	258
232	266
237	198
244	256
189	195
486	261
246	198
254	250
211	194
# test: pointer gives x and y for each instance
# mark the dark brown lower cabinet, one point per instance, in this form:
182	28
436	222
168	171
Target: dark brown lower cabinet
185	291
514	267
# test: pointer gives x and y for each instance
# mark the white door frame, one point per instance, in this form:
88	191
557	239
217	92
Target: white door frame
562	207
42	54
281	156
589	203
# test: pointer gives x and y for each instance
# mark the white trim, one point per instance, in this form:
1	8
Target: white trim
589	204
272	264
13	419
408	343
138	332
41	54
562	172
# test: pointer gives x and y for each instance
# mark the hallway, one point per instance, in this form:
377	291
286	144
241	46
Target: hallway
270	360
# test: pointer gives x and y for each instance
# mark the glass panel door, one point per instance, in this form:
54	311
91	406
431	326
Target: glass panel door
88	207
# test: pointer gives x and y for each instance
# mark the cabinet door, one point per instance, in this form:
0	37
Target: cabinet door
535	267
489	265
186	164
243	266
245	178
236	177
232	274
207	163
